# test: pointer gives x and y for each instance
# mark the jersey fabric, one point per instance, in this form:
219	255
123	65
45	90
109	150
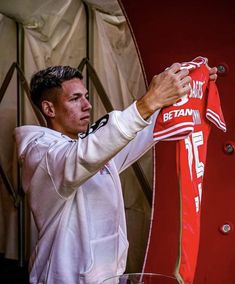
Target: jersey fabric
75	195
188	122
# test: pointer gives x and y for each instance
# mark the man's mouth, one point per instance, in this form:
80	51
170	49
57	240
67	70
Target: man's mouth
86	118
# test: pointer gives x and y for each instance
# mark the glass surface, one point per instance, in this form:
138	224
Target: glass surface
141	278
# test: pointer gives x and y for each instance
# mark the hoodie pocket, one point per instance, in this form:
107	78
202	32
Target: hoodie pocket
108	258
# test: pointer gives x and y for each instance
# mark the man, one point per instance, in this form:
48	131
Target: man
71	175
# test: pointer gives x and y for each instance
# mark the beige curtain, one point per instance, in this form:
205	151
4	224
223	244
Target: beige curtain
55	34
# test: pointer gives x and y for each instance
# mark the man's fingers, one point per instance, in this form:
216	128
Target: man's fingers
212	73
182	73
186	89
185	81
177	72
212	70
174	68
213	77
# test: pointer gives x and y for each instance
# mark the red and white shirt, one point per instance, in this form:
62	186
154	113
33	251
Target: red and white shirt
189	121
177	121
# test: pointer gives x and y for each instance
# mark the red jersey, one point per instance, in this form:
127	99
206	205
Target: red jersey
189	121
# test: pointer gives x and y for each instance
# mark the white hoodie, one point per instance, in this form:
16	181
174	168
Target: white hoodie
75	195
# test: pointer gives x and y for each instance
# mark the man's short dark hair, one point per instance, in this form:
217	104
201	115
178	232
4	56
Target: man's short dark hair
50	78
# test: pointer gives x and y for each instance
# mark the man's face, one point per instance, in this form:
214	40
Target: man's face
72	109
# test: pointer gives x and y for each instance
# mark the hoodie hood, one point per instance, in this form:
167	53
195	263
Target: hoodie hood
24	135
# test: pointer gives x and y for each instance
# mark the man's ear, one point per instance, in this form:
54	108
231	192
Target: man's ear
48	109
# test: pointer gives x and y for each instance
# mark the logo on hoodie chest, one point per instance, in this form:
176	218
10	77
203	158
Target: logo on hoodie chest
94	127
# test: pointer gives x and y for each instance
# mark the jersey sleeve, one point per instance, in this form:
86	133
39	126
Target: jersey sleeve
214	112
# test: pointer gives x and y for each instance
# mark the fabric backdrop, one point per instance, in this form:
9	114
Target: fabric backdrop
55	34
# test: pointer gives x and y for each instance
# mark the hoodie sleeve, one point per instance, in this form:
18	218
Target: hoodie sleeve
64	163
137	147
103	142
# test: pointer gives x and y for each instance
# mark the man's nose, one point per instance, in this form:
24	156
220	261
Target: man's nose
86	104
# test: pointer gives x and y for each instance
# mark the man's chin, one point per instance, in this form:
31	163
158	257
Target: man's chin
84	129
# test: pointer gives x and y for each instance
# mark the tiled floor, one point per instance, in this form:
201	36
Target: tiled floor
11	272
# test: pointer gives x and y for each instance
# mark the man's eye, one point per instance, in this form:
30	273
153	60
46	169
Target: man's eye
75	99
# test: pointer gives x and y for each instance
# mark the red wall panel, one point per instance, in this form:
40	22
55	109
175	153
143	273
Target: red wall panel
170	31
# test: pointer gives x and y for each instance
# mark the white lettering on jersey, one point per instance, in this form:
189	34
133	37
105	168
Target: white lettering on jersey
196	91
199	187
197	139
193	155
183	100
197	203
188	146
198	198
177	113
